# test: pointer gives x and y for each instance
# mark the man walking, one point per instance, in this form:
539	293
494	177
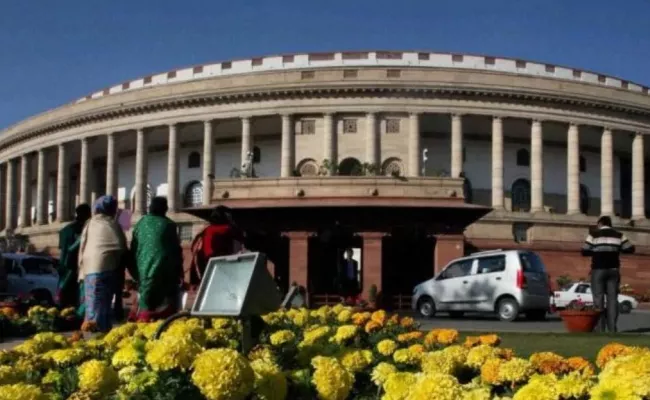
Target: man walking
604	245
348	274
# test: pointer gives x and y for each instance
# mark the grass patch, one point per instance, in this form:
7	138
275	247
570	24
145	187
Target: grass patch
566	344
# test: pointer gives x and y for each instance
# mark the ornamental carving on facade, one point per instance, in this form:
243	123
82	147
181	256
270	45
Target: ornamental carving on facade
308	167
392	167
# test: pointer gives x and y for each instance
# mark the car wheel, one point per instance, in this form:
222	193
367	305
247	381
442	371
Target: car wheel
456	314
426	307
625	307
508	309
536	315
43	296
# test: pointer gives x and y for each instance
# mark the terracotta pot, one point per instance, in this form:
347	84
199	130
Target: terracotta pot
580	321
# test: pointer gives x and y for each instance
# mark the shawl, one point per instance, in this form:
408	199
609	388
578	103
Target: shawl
102	247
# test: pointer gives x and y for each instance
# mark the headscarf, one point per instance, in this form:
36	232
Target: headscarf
106	205
158	206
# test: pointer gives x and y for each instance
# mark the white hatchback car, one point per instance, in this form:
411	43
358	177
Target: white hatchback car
31	274
505	282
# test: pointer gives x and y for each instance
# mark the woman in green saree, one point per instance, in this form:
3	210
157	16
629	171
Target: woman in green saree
158	263
68	292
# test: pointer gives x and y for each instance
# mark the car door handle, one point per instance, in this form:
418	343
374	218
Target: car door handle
465	282
498	279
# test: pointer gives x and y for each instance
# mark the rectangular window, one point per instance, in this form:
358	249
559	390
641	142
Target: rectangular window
424	56
577	73
185	233
490	60
488	265
307	75
147	79
350	125
457	58
226	65
350	73
307	127
531	262
393	73
520	64
550	69
171	74
392	125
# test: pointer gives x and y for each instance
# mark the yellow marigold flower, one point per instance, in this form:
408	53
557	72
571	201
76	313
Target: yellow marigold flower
478	355
490	340
150	329
282	337
436	386
344	316
393	320
407	322
338	308
140	382
611	389
386	347
381	372
549	363
360	318
516	370
404	356
580	364
53	312
447	336
479	393
220	323
344	332
379	317
223	374
300	317
438	362
398	385
127	373
36	310
270	381
116	335
472	341
8	375
65	357
315	334
187	330
409	336
262	353
126	357
540	387
611	351
490	371
171	353
372	326
21	391
357	360
331	379
68	312
575	385
98	378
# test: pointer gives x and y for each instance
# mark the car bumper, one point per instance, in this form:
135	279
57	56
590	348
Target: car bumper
530	302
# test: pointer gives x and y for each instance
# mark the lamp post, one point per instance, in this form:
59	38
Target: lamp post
425	158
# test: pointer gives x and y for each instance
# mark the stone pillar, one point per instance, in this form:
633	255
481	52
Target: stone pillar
25	192
62	178
573	170
10	197
287	146
245	139
606	173
497	163
111	166
141	172
41	196
638	178
456	145
329	138
372	140
536	168
83	173
208	163
371	266
414	146
447	248
298	258
172	169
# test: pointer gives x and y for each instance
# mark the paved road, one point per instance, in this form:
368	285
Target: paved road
636	322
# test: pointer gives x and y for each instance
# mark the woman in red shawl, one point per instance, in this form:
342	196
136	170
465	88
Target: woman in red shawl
220	238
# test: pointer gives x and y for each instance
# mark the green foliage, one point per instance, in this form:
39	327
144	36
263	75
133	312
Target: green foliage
563	281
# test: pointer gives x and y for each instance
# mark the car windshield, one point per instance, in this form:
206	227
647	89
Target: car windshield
531	262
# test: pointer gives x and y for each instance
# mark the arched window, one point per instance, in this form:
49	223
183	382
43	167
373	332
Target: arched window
350	167
523	158
520	194
307	167
583	164
193	194
194	160
584	199
392	167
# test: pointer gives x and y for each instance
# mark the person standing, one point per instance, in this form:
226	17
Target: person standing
158	266
102	255
68	294
348	273
604	245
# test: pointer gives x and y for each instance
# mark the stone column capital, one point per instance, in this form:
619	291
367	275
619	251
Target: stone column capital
457	115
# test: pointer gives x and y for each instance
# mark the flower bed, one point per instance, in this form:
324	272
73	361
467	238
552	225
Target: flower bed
15	323
333	353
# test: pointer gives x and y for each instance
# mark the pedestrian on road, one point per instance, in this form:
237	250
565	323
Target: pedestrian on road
604	245
102	258
68	294
158	268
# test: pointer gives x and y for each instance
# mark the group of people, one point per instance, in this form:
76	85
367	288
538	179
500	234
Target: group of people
95	255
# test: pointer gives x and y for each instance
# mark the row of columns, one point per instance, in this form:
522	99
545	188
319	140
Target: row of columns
329	152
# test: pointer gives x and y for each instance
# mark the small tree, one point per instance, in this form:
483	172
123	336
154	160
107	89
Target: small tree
370	169
563	281
328	167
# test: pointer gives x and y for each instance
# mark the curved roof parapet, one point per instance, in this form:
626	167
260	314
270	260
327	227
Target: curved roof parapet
370	59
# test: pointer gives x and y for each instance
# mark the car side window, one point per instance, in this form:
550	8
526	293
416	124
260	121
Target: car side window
37	266
582	289
488	265
11	267
457	270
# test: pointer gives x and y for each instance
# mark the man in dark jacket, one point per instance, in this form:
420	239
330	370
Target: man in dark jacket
604	245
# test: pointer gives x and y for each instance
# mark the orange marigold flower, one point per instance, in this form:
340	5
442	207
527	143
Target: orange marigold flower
581	364
407	322
447	336
432	337
372	326
472	341
76	336
360	318
9	312
89	326
394	320
409	336
490	371
506	354
490	340
611	351
379	317
548	362
416	348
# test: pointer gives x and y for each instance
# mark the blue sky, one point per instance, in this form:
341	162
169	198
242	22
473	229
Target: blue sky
52	52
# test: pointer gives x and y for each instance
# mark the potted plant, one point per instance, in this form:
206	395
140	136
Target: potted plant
580	316
372	297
